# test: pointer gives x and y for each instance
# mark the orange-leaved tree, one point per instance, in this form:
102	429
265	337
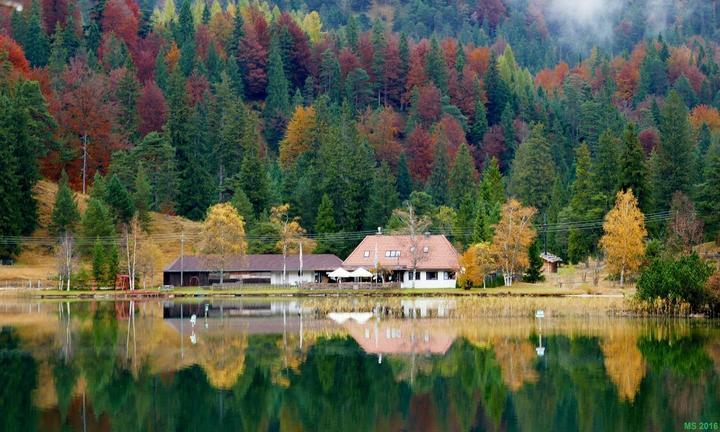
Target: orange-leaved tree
513	236
624	238
477	261
299	136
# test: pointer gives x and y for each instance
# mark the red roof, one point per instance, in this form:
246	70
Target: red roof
264	262
394	252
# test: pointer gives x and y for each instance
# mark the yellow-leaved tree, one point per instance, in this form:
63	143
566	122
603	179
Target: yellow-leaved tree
223	234
624	238
312	24
513	236
299	136
292	235
477	261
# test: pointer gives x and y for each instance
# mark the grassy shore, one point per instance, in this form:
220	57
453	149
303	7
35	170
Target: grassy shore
520	290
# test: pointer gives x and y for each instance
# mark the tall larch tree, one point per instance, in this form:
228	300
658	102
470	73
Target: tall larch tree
624	238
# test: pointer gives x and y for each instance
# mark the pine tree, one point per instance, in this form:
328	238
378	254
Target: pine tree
653	74
118	199
58	52
185	27
463	176
243	206
633	172
676	151
65	214
351	32
330	78
404	184
383	198
533	171
277	103
533	274
437	185
142	196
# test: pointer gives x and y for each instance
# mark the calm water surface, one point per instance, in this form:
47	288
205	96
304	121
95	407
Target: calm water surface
294	366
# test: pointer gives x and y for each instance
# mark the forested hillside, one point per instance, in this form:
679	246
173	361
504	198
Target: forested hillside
346	109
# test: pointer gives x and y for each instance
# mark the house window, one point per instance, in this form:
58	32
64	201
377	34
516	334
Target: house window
449	275
410	275
366	254
431	275
426	249
392	254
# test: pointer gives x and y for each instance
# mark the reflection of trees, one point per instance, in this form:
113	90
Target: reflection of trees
18	379
624	363
517	361
222	356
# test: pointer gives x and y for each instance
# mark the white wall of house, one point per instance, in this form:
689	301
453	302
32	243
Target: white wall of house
443	279
276	278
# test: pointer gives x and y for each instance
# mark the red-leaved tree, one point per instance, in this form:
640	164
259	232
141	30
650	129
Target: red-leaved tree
151	108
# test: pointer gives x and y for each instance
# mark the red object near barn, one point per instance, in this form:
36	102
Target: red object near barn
122	282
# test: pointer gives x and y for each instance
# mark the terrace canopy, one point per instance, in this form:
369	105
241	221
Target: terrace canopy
361	273
340	273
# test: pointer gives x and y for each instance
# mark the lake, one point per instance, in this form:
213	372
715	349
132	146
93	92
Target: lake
345	365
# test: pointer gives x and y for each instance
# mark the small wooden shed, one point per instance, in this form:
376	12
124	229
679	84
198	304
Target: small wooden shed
550	262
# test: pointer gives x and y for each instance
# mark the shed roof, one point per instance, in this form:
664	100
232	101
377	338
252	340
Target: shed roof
259	262
394	252
547	256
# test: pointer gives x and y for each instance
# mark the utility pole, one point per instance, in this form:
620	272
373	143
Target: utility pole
545	227
182	256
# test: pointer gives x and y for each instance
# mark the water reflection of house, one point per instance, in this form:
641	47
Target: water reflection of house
399	336
424	308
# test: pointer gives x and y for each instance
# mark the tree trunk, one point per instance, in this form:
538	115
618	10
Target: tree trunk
622	277
84	166
507	277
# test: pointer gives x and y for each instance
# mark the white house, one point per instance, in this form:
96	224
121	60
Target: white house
435	259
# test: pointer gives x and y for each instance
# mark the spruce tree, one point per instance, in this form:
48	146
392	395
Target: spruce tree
533	171
533	274
99	264
157	157
709	202
605	167
142	196
479	123
404	184
36	44
383	197
11	198
497	92
97	220
243	205
127	92
277	102
633	171
119	201
65	214
436	68
676	152
585	204
462	176
253	180
437	185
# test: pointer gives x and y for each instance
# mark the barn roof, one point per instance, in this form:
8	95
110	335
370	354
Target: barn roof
259	262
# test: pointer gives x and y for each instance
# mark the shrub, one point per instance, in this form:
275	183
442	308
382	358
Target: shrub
680	280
